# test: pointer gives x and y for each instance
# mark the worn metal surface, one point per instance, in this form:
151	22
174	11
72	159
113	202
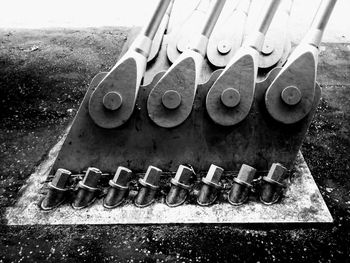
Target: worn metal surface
258	141
302	203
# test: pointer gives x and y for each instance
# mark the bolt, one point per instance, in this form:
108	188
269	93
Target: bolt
152	177
267	49
276	173
122	176
224	47
92	177
112	100
246	175
61	178
240	190
213	176
150	184
272	187
183	175
171	99
119	188
291	95
230	97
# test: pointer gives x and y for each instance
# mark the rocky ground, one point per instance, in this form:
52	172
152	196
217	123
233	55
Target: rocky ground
43	77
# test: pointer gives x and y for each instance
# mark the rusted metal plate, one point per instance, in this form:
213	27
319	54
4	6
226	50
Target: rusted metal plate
302	203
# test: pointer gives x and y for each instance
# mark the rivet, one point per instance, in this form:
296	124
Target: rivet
171	99
291	95
230	97
112	100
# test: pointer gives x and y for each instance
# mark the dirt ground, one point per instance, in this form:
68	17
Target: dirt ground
43	77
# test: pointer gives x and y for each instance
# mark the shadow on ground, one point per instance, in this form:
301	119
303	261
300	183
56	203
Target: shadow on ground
43	77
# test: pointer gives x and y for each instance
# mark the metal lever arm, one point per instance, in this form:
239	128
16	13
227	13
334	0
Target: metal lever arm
171	100
290	96
231	96
113	101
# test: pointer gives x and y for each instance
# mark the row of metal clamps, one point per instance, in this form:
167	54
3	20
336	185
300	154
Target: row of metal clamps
271	189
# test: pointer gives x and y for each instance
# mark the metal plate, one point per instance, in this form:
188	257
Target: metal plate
258	141
302	203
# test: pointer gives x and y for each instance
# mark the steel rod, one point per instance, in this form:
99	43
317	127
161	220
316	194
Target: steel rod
212	18
256	39
151	28
322	15
268	14
318	25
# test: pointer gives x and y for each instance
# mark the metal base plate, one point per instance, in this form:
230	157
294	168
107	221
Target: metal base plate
302	203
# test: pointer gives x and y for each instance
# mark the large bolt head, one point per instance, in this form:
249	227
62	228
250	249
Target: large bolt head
112	100
214	174
183	175
152	176
276	172
267	49
224	47
92	176
122	176
246	174
171	99
291	95
61	178
230	97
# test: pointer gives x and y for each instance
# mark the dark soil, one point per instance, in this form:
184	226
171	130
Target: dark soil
43	77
